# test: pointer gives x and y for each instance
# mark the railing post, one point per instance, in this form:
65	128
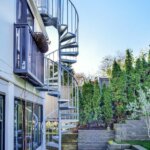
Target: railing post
59	73
59	11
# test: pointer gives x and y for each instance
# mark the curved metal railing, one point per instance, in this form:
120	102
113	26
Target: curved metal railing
69	85
70	17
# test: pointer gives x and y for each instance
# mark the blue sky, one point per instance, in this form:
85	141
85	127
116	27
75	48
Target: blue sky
109	26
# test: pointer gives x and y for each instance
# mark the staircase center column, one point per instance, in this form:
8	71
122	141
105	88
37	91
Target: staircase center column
59	72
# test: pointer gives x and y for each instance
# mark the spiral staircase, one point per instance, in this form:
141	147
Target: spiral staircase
62	15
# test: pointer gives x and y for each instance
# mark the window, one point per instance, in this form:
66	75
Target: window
28	59
2	122
37	125
24	14
28	120
28	125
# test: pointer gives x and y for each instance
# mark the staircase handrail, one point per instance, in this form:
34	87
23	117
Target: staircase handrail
64	69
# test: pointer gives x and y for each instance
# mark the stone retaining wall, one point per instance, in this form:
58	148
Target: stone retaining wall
94	139
131	130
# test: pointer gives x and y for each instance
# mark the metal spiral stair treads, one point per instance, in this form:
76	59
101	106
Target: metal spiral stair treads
54	93
67	36
62	29
69	45
68	61
69	53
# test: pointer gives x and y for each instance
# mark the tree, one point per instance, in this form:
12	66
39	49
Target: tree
144	76
81	107
116	70
130	82
96	102
106	66
118	87
148	69
107	105
144	100
87	94
149	57
137	75
129	62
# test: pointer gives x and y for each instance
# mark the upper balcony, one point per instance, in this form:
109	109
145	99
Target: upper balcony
28	58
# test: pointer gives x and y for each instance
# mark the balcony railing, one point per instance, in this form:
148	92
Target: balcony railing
28	60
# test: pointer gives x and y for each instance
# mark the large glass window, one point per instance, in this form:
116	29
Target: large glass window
37	125
28	120
2	120
24	14
18	125
28	123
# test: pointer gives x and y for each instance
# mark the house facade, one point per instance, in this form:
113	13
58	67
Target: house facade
21	104
27	74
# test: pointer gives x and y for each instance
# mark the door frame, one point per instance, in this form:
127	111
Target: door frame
3	120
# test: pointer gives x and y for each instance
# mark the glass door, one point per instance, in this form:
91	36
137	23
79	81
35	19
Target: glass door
18	126
2	127
29	126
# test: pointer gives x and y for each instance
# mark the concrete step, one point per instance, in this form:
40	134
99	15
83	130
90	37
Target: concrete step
69	120
90	146
52	144
56	138
68	126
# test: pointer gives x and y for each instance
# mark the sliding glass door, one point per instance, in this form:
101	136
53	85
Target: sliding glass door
29	126
27	121
2	120
19	126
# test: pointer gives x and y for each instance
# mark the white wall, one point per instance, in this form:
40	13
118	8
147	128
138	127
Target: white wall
7	19
11	87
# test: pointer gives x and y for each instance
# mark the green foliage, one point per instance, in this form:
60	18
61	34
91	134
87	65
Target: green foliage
122	94
144	101
81	106
116	70
118	88
107	105
129	62
145	144
96	102
130	79
86	107
149	57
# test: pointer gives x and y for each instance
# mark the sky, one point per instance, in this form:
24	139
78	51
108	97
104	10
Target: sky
108	27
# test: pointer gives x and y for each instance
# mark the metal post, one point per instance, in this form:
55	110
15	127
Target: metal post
59	72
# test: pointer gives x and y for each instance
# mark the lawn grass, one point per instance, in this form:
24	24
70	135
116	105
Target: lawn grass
145	144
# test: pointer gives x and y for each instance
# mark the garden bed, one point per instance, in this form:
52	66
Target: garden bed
145	144
133	145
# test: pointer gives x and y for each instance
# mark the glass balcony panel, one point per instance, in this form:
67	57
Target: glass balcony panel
28	60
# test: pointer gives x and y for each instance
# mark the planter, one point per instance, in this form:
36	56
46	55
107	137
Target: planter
115	146
138	147
41	41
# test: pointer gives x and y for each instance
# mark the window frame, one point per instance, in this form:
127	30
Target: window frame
24	106
23	10
3	121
